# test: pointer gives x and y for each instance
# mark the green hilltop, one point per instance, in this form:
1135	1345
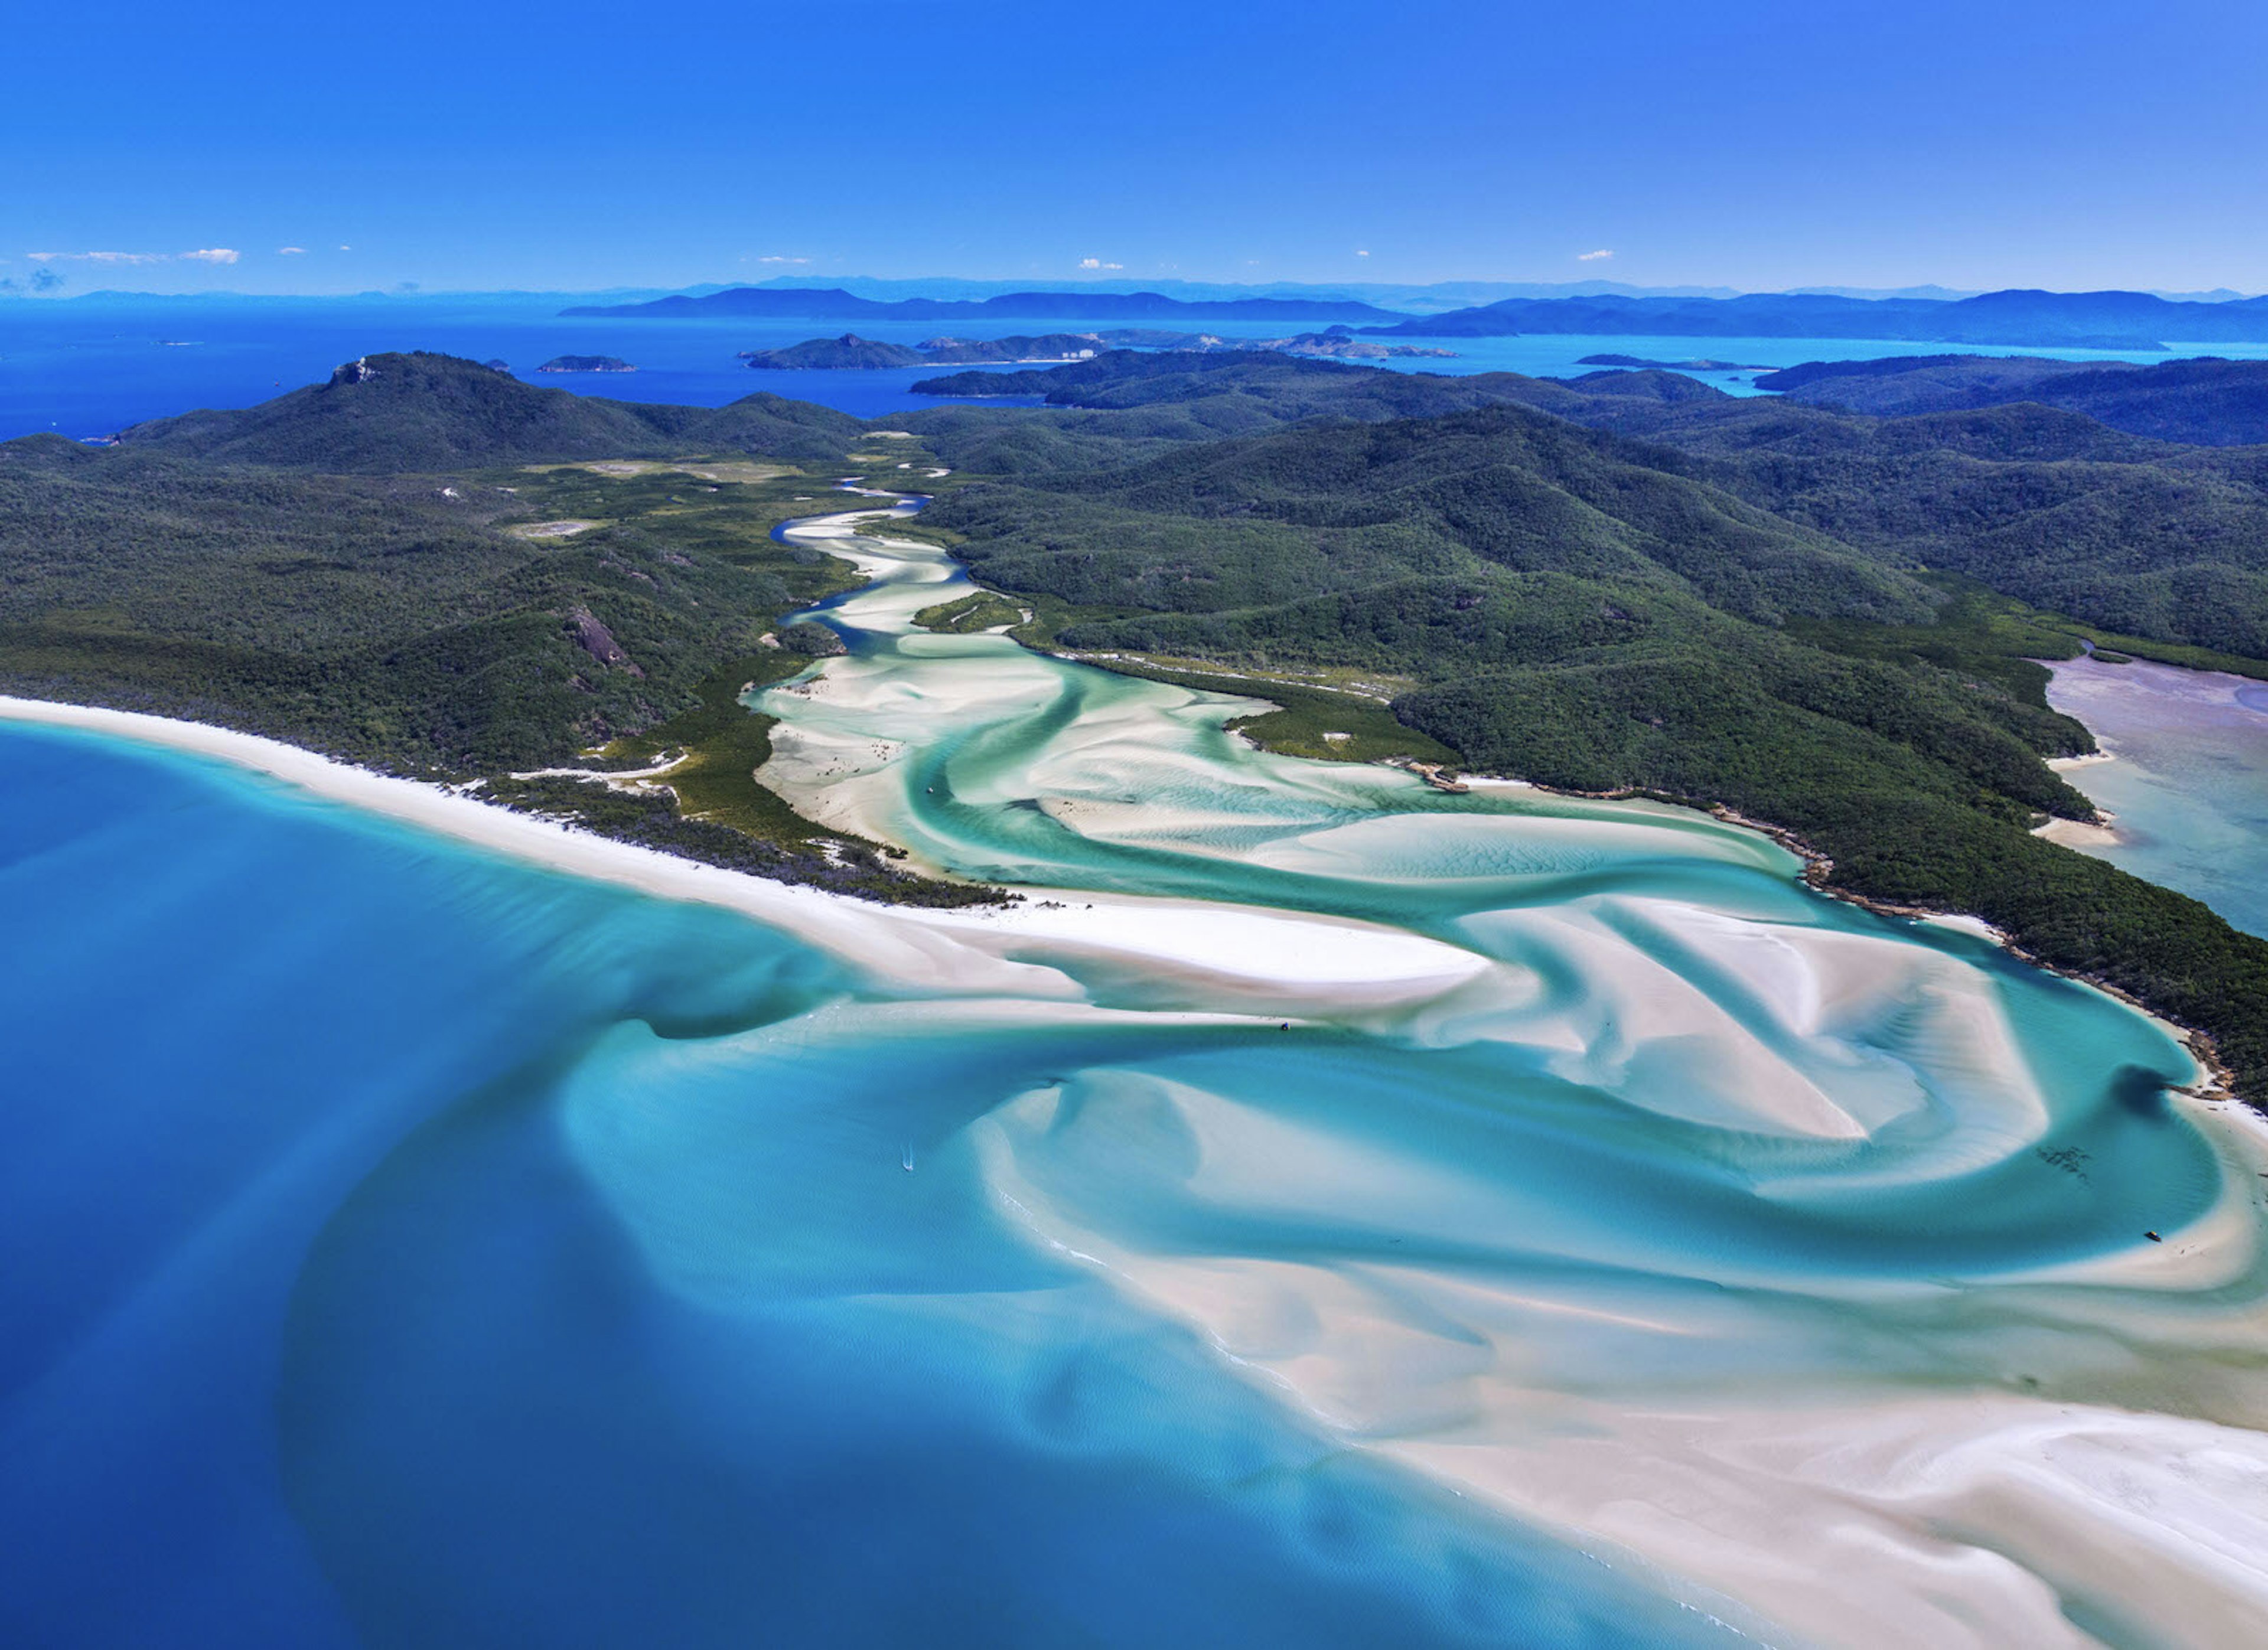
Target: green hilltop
390	412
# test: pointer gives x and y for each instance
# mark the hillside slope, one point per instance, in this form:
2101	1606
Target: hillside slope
2203	402
2161	541
388	414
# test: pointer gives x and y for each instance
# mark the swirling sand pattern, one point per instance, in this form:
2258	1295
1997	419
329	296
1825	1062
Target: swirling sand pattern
1338	1214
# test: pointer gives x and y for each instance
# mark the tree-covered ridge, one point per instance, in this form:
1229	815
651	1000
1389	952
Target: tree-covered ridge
419	412
444	623
1309	511
461	626
2161	542
2205	402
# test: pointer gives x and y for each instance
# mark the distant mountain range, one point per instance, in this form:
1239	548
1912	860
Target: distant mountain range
835	303
2019	319
2079	320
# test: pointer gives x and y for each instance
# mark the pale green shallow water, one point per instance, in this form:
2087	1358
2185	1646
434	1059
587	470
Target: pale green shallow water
1486	1220
2188	781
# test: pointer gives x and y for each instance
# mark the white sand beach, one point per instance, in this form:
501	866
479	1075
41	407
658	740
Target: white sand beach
1279	959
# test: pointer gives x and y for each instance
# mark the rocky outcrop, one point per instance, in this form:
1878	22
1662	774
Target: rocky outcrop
595	639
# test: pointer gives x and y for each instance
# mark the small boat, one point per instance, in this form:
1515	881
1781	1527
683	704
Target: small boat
906	1157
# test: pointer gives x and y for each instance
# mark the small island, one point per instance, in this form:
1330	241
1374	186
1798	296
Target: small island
851	352
587	363
1641	364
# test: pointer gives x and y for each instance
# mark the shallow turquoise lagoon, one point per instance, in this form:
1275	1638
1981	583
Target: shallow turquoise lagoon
2189	780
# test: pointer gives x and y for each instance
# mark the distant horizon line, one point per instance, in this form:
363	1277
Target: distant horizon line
1122	285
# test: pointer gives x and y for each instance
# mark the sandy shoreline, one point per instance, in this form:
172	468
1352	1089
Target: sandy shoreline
1285	962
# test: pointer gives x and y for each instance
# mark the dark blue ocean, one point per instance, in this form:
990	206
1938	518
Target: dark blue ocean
87	367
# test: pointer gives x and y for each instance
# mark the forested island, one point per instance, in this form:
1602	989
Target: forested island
833	303
1697	365
2076	321
587	363
2083	320
1628	583
851	353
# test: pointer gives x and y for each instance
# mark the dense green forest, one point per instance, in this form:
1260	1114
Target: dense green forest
2205	402
2153	542
469	623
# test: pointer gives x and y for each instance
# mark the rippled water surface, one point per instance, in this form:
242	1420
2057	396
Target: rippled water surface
1329	1212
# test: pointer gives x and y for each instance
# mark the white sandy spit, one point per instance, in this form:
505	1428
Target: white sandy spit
1862	1513
1282	962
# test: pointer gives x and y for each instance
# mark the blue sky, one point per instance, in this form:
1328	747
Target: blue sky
581	146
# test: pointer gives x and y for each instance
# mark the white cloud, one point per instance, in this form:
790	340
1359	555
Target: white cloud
778	260
1097	263
1593	257
1362	252
97	257
290	252
346	248
206	255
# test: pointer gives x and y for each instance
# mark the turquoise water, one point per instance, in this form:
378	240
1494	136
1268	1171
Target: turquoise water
330	1318
1497	1220
2189	784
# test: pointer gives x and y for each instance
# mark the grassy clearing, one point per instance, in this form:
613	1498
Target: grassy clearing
735	470
724	744
982	610
1306	718
910	528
